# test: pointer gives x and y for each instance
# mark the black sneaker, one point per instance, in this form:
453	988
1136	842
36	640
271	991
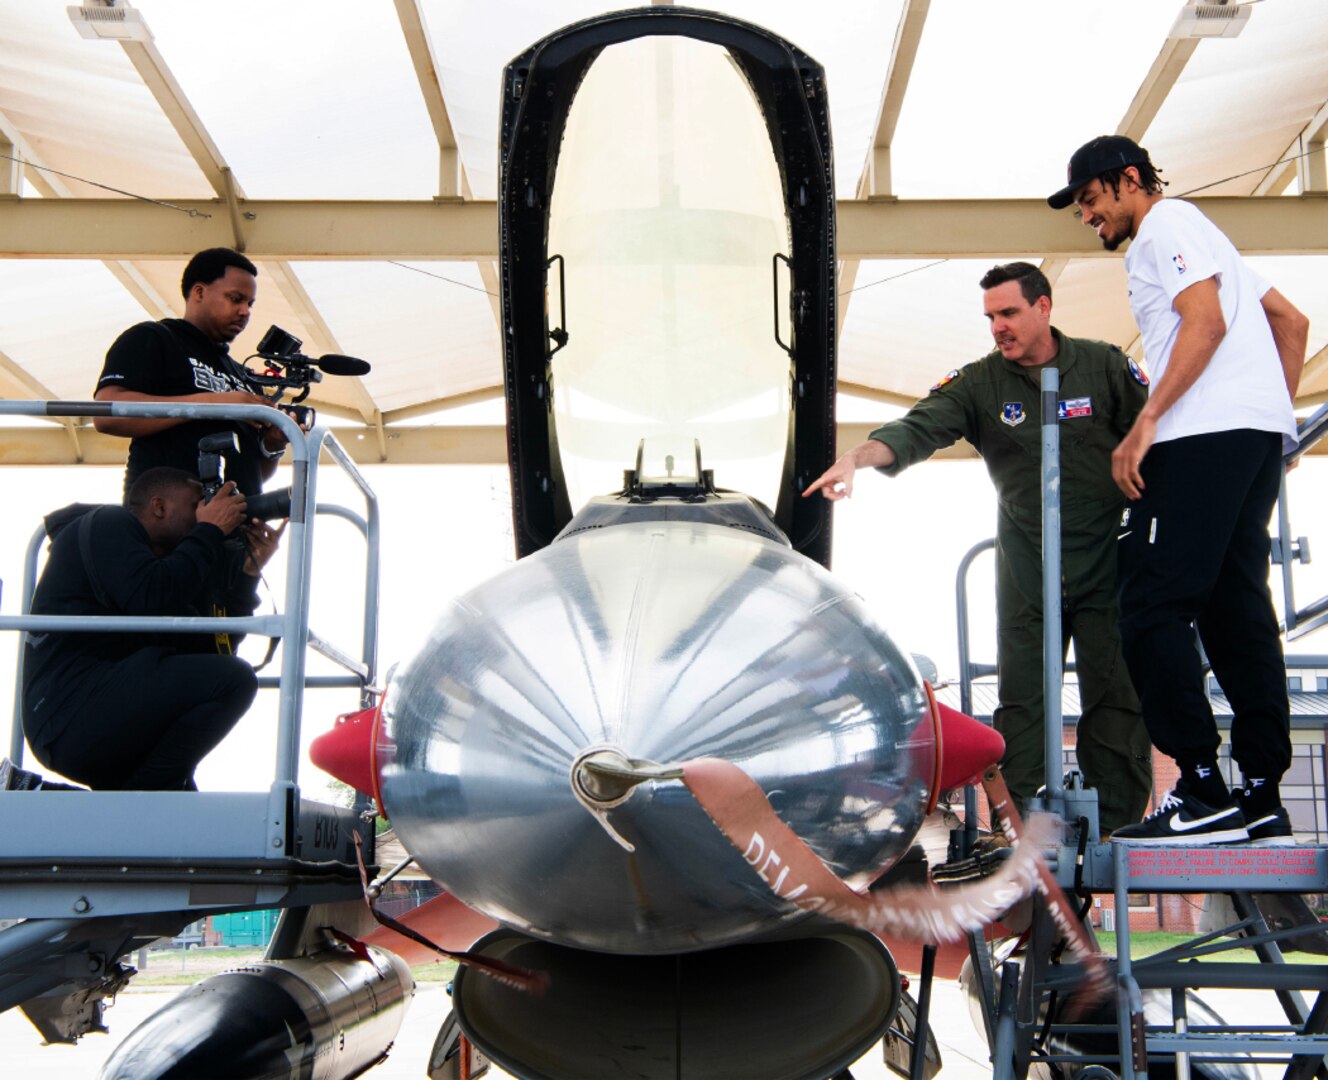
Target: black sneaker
12	778
1272	829
1181	820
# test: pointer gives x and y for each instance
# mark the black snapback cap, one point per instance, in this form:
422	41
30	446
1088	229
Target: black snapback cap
1094	158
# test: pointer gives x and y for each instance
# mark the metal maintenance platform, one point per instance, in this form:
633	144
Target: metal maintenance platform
97	874
1156	1018
1245	875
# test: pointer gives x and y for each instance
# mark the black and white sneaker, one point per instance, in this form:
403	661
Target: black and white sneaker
1181	820
12	778
1272	829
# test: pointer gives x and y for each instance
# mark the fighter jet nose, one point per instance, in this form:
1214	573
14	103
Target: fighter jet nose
537	735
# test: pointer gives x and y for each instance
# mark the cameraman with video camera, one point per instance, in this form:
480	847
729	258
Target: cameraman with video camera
188	360
122	711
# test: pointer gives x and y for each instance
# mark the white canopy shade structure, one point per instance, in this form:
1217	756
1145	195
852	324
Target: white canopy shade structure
349	149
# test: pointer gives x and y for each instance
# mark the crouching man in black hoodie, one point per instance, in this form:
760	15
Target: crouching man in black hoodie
132	711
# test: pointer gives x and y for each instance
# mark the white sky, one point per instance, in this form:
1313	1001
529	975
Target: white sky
447	528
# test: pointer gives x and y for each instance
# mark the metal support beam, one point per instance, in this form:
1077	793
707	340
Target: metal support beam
1289	165
1023	228
1157	84
32	387
845	283
488	269
1052	269
130	275
1310	167
439	444
1314	365
875	179
452	183
53	187
124	228
376	230
11	172
426	408
156	75
232	196
872	393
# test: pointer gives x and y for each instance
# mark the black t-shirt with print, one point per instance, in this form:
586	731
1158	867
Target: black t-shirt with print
172	358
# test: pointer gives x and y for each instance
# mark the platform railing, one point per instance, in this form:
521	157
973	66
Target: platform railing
291	626
1288	549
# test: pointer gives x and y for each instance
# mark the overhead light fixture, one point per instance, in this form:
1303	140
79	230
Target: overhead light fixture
1211	20
110	21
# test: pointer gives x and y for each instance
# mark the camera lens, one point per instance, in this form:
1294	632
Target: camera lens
270	505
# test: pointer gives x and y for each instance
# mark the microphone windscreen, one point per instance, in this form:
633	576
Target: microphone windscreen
335	364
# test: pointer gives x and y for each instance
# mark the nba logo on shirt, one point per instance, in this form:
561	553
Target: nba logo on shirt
1179	260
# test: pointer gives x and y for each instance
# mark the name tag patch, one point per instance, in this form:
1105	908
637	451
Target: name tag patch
1072	407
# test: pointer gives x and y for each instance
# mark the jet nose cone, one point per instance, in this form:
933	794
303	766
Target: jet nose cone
578	678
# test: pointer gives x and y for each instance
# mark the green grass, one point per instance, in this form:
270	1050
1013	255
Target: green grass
441	972
1149	942
183	967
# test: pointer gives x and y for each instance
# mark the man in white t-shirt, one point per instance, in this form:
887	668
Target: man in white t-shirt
1202	466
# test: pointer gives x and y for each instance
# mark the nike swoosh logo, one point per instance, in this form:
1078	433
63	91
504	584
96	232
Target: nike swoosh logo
1189	826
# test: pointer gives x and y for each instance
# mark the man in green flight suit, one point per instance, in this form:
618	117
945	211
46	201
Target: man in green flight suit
995	403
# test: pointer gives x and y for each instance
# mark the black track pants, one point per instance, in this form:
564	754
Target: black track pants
1194	552
148	721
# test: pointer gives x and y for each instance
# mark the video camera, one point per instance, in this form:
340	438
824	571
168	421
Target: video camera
266	506
289	369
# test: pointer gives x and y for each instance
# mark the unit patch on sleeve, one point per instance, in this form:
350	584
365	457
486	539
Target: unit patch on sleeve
1012	413
949	378
1072	407
1137	372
